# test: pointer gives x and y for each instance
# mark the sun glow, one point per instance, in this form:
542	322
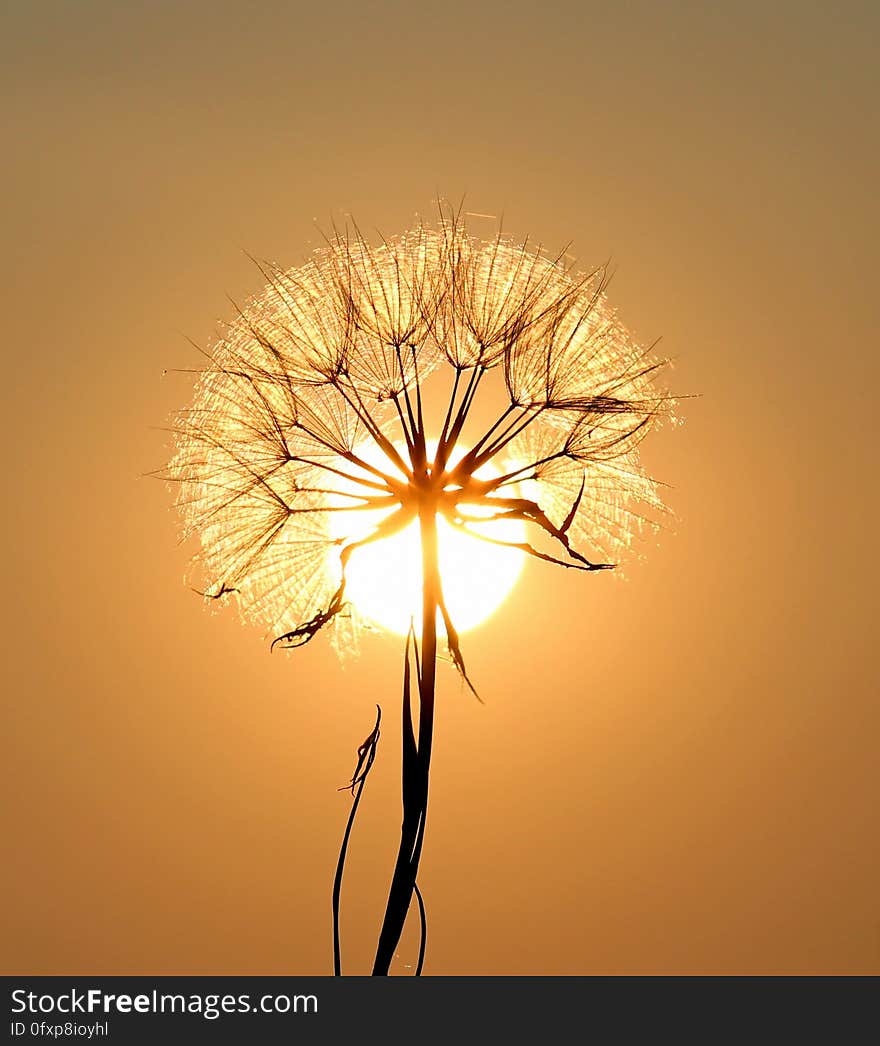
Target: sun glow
384	580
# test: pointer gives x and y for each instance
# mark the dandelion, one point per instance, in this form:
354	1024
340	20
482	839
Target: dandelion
435	385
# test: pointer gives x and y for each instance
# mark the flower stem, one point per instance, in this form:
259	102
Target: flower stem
417	761
366	756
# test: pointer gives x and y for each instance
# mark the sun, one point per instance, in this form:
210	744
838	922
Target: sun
384	580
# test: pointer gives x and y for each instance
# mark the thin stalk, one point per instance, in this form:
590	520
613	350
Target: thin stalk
384	443
421	441
511	477
449	409
345	475
396	401
500	442
419	414
415	770
423	925
366	756
486	435
448	445
406	399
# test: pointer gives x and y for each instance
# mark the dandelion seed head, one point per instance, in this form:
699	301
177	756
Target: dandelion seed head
312	409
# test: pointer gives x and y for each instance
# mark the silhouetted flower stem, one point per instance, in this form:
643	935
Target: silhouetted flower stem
366	755
416	757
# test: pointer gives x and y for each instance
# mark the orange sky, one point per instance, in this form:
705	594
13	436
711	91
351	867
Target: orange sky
673	773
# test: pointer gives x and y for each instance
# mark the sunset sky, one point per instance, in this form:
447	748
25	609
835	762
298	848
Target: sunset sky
674	771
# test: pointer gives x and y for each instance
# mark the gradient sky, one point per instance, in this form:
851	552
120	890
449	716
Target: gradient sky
673	773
